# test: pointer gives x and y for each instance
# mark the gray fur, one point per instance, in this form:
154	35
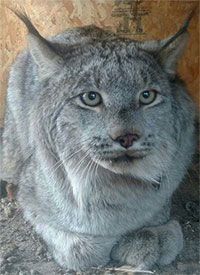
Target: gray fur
88	205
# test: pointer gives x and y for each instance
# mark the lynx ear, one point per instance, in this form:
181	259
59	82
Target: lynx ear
168	50
173	47
41	50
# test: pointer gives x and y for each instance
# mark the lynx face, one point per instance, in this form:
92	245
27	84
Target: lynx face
118	112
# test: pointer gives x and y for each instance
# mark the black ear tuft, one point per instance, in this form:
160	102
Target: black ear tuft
168	50
182	30
44	55
173	47
24	18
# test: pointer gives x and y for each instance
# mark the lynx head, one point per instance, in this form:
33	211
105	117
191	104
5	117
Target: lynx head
108	102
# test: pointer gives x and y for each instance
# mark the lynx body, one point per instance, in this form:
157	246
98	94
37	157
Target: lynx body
98	133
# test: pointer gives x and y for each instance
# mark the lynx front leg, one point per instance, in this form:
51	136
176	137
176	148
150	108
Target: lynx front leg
149	246
77	251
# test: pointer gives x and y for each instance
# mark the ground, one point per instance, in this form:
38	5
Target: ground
22	252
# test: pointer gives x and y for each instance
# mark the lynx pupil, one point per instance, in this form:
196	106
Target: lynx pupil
92	95
146	94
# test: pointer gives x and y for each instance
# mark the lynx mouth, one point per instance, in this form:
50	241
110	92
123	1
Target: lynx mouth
123	159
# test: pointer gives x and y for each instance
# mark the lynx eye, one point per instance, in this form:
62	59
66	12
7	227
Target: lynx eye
147	97
91	99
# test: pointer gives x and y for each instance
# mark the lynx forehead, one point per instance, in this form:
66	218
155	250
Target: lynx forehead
98	133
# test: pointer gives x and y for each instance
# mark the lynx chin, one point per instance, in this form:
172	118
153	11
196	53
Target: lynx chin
98	133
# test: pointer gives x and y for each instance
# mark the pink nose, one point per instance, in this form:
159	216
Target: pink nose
127	140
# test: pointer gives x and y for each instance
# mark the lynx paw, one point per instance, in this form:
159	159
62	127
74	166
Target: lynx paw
149	246
140	249
171	241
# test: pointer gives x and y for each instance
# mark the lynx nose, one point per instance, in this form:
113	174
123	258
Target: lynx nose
127	140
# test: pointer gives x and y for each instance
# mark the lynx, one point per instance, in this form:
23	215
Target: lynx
98	133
